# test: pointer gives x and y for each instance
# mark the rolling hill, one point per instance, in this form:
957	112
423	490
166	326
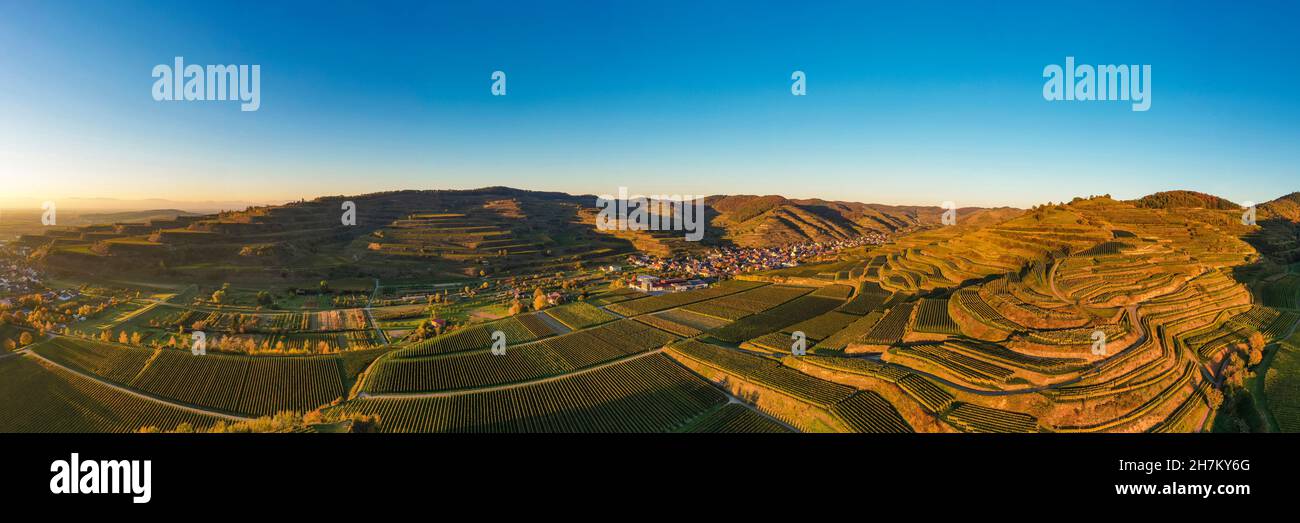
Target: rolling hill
412	233
1184	199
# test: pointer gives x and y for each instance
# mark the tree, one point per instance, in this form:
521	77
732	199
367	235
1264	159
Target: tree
324	286
516	307
1234	372
539	300
1256	356
264	298
122	338
219	296
136	338
25	339
1256	348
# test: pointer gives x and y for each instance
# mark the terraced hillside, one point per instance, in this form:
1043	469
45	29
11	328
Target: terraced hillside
1098	315
404	232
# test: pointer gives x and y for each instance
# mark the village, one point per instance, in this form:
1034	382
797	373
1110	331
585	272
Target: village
18	278
695	271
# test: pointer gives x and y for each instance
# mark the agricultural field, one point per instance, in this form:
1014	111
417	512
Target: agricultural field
529	361
661	302
74	403
579	315
224	383
868	298
776	318
650	394
682	322
735	418
1282	388
890	329
517	330
1283	292
932	317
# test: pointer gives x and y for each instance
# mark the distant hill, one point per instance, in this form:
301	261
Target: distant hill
1184	200
405	233
754	221
131	216
1286	207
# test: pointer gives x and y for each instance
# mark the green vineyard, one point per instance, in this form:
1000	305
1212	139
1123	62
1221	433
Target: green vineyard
530	361
650	394
734	418
77	404
932	316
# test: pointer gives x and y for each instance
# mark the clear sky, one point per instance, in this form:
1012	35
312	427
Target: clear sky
911	104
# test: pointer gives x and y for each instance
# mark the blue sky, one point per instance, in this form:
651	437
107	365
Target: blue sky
910	104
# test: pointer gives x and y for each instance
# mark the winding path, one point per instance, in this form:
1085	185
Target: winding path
371	317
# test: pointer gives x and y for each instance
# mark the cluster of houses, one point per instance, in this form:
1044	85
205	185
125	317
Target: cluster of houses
18	279
651	283
729	261
552	298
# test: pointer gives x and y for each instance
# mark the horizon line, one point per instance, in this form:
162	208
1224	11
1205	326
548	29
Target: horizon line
8	203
